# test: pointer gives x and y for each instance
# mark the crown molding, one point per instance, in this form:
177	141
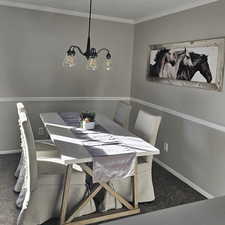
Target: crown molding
63	11
194	4
191	5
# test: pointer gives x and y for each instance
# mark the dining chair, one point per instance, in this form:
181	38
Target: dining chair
41	195
122	114
20	169
146	127
40	144
43	148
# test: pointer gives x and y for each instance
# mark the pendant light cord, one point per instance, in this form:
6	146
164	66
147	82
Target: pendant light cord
89	26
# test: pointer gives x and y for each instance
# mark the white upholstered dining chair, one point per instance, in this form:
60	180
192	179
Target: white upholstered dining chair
40	197
122	114
44	149
146	127
40	144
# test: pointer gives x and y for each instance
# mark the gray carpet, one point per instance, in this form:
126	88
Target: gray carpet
169	191
8	210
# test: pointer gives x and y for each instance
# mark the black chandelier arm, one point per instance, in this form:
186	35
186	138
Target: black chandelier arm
73	47
103	49
106	50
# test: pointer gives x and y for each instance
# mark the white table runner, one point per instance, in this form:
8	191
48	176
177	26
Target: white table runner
112	158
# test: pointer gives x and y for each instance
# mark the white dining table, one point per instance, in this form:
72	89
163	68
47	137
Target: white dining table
73	152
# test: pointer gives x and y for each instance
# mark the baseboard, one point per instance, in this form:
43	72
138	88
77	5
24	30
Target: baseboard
12	151
184	179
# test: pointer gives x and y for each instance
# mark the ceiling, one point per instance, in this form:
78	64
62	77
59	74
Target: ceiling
131	11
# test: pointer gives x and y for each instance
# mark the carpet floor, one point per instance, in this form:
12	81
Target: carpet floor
169	191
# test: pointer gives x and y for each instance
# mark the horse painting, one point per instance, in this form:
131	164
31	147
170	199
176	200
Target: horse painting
198	63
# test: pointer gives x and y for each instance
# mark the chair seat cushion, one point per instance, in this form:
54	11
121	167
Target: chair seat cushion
47	154
52	172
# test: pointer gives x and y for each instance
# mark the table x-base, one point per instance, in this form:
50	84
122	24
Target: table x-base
131	208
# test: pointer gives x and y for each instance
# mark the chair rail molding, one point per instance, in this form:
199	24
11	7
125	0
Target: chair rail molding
10	151
179	114
111	98
58	99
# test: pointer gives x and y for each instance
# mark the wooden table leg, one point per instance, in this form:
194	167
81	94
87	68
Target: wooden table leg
66	187
84	202
132	209
135	188
89	171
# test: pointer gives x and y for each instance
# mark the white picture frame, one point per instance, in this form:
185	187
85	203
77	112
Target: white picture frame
176	63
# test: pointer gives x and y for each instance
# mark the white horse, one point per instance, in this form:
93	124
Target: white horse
171	61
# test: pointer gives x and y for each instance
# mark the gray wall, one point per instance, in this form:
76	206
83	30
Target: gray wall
195	151
32	48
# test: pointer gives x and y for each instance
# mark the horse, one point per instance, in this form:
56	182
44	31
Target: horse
164	57
200	63
155	68
170	65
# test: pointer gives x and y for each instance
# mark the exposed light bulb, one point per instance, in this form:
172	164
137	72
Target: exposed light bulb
92	64
108	64
69	61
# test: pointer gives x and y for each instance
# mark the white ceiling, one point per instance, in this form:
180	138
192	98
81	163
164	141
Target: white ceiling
121	10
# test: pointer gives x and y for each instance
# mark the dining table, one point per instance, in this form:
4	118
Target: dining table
75	150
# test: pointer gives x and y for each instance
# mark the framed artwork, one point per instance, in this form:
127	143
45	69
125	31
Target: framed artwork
198	64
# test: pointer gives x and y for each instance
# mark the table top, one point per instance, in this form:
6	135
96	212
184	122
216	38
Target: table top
70	146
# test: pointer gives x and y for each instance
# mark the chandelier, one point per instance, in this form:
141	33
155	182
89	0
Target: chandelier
91	54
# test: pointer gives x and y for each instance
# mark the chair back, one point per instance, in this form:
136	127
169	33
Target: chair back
122	114
20	108
29	150
147	126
